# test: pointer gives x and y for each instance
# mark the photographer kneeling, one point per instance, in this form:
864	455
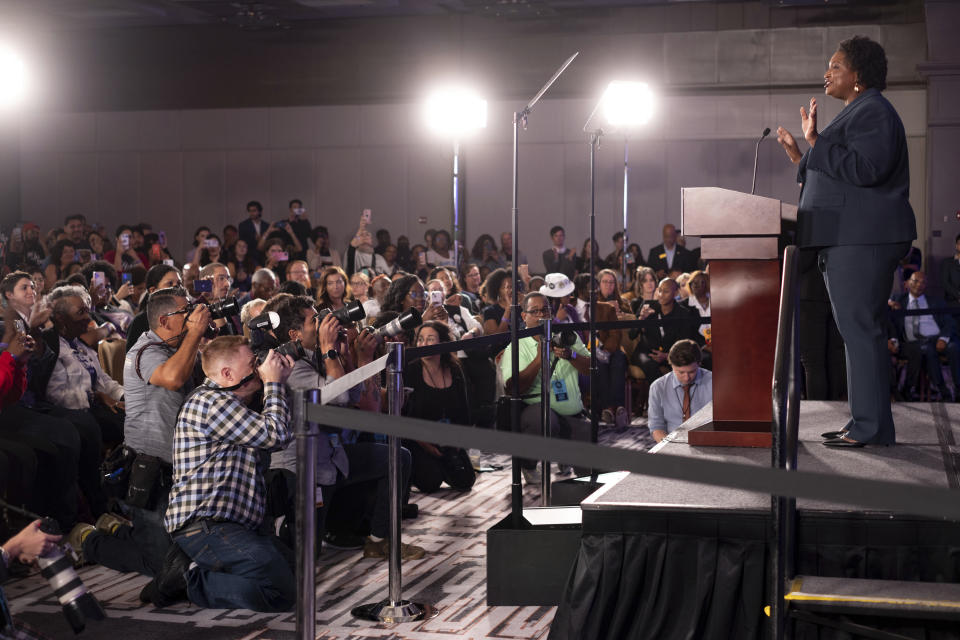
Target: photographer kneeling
158	375
216	510
341	460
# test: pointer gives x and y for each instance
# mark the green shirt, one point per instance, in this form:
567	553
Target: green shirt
565	399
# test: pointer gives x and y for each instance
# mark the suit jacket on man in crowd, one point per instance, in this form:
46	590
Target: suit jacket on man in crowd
683	259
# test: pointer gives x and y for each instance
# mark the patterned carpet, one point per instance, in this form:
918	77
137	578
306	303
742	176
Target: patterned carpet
451	526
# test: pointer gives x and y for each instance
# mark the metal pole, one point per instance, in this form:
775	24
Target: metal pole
456	204
594	368
545	487
516	488
626	235
305	529
394	609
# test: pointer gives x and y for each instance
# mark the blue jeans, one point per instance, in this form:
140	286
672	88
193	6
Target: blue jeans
238	568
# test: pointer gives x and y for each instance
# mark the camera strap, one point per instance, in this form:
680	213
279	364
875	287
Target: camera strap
247	378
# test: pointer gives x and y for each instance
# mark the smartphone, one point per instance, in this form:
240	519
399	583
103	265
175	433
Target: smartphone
281	224
299	211
99	279
125	241
203	286
436	298
365	216
211	242
155	251
422	260
16	234
282	256
20	325
629	258
125	278
168	262
162	238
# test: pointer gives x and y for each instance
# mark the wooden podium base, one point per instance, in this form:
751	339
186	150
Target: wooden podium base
732	433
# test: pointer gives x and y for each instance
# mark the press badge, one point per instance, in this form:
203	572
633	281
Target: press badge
559	390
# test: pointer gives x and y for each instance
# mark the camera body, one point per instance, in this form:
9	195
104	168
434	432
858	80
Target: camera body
351	313
563	339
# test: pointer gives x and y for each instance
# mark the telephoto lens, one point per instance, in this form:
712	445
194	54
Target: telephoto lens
564	339
353	312
409	319
224	309
78	604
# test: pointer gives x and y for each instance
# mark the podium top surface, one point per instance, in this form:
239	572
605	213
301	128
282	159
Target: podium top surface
712	211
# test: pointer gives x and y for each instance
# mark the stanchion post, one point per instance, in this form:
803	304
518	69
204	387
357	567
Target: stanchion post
394	608
545	487
306	434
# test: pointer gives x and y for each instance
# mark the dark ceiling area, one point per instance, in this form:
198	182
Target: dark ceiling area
289	14
115	55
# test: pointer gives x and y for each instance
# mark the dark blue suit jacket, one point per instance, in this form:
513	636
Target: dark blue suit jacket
856	179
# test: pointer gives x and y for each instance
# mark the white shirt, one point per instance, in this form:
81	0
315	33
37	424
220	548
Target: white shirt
71	385
703	311
670	253
925	325
437	260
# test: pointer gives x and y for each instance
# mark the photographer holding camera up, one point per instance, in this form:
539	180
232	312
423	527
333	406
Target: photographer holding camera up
158	374
230	558
341	460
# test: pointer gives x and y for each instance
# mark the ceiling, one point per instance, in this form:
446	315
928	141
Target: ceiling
287	14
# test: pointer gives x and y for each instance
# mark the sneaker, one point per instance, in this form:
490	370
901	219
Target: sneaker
623	418
606	416
170	585
531	476
109	523
409	511
75	539
342	541
381	549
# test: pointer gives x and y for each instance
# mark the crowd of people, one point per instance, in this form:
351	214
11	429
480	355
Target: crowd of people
145	395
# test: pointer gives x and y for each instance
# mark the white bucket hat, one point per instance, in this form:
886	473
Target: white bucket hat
556	285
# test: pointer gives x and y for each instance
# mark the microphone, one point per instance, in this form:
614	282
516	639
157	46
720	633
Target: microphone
756	154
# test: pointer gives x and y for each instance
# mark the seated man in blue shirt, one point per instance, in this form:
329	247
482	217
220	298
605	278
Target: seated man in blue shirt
679	395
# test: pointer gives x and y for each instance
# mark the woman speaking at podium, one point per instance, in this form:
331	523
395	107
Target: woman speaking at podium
854	210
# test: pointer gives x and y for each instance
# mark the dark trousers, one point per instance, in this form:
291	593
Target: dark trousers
368	462
858	280
238	568
428	472
91	443
821	351
566	427
611	378
60	441
920	352
140	548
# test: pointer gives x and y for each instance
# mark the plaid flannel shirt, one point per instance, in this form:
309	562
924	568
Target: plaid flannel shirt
217	463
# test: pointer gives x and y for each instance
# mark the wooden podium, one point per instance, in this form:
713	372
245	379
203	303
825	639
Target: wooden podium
739	235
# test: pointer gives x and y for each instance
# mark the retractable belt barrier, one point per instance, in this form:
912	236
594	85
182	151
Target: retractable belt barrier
873	494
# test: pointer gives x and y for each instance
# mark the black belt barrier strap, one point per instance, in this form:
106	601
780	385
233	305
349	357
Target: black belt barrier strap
880	495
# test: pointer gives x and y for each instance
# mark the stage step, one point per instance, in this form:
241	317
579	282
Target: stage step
939	600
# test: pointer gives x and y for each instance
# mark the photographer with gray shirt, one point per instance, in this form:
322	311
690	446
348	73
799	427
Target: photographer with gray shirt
158	374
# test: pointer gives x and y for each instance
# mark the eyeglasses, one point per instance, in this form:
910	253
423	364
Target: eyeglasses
539	311
183	311
220	278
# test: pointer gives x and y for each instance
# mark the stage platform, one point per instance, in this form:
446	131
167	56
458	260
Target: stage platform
926	453
672	559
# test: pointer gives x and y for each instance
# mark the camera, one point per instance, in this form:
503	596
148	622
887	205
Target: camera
57	567
224	309
409	319
353	312
293	349
563	339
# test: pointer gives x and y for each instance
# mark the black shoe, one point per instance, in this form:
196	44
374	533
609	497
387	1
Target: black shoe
409	511
830	435
336	540
841	443
170	585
